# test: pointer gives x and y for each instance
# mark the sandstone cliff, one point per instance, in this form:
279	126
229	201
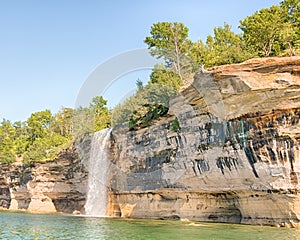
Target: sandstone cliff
57	186
235	157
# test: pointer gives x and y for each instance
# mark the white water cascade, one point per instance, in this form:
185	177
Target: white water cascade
96	202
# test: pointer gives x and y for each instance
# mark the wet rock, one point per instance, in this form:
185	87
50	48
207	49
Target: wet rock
235	157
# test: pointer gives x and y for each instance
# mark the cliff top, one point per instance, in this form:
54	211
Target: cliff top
256	85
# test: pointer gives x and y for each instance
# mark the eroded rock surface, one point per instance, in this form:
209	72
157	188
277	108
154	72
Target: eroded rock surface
57	186
235	157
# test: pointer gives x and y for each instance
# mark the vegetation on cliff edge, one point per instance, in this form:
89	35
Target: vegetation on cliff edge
273	31
43	135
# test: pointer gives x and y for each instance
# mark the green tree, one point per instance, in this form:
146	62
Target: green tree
145	106
21	141
7	135
225	47
100	112
291	11
83	122
44	149
170	42
261	31
45	135
198	54
290	32
289	39
63	122
160	75
39	124
139	85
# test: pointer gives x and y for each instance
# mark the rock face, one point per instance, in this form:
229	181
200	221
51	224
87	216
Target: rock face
57	186
228	151
234	158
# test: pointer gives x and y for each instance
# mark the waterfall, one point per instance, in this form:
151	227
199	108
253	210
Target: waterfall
96	202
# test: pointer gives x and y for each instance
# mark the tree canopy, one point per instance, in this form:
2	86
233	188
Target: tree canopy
43	135
225	47
273	31
261	31
169	40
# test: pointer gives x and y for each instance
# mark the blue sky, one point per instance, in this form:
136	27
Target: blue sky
48	48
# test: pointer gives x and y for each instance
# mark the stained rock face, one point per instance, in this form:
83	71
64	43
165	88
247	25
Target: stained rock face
5	197
57	186
235	157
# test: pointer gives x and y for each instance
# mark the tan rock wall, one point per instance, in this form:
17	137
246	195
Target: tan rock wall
236	153
57	186
247	207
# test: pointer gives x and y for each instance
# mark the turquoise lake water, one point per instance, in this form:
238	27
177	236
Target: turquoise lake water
54	226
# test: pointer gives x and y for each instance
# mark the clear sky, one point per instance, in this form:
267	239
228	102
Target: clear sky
48	48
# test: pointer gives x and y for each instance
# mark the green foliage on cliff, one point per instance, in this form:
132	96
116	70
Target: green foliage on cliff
100	113
37	139
43	135
268	32
225	47
148	104
7	135
175	126
161	75
169	41
273	31
96	117
262	30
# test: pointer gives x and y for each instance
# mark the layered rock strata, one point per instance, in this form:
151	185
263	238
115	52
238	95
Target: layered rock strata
57	186
228	151
234	157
